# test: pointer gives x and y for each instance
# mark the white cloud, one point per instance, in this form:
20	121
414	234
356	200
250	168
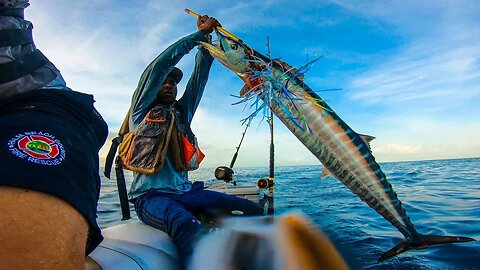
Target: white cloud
438	59
450	72
426	90
392	151
417	138
102	47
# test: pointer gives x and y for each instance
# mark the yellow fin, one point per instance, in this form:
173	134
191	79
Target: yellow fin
325	173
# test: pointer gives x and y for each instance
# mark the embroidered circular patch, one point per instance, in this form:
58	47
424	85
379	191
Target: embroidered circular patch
37	147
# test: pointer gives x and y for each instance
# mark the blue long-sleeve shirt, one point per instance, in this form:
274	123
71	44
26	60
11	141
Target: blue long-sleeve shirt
168	179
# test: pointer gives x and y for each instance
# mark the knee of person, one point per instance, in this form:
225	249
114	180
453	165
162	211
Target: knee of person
40	227
185	221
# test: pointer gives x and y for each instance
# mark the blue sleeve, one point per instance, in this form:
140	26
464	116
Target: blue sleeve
196	84
155	74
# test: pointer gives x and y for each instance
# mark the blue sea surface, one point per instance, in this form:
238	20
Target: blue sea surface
442	197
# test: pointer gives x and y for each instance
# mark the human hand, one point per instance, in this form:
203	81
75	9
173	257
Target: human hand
207	24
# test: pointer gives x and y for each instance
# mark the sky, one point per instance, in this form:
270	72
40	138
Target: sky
408	72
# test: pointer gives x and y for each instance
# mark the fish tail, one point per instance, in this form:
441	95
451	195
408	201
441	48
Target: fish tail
424	242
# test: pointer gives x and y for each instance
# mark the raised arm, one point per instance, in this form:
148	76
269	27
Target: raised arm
156	72
196	84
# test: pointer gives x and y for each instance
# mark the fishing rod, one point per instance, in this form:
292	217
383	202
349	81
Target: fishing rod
268	183
219	28
238	147
226	173
270	122
271	178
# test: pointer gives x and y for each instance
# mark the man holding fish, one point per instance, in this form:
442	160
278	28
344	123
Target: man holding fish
163	148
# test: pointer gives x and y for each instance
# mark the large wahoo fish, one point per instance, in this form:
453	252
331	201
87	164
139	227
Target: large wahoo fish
344	153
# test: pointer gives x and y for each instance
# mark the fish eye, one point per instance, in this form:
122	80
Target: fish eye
234	46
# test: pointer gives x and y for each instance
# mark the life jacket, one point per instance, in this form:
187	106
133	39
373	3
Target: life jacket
144	150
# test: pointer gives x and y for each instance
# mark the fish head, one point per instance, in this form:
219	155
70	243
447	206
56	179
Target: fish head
232	52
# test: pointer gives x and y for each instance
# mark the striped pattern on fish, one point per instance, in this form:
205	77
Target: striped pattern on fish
343	153
340	149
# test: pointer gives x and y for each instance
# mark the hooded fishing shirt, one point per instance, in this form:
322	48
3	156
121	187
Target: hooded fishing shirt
169	180
18	53
50	137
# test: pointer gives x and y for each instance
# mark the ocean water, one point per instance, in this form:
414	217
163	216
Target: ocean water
442	197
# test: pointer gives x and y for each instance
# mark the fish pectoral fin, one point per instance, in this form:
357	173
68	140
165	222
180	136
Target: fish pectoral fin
325	173
367	139
245	91
426	241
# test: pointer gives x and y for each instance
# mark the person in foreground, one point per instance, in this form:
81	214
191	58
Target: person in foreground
163	196
49	179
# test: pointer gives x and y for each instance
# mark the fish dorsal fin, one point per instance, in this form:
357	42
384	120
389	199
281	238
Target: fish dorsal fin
325	173
245	91
367	139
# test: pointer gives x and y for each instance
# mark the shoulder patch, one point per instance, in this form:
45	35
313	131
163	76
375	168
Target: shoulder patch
37	147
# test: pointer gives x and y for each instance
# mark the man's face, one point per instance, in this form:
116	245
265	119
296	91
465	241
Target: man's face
168	91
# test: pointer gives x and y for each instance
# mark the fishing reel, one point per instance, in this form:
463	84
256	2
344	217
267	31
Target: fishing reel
264	183
225	173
